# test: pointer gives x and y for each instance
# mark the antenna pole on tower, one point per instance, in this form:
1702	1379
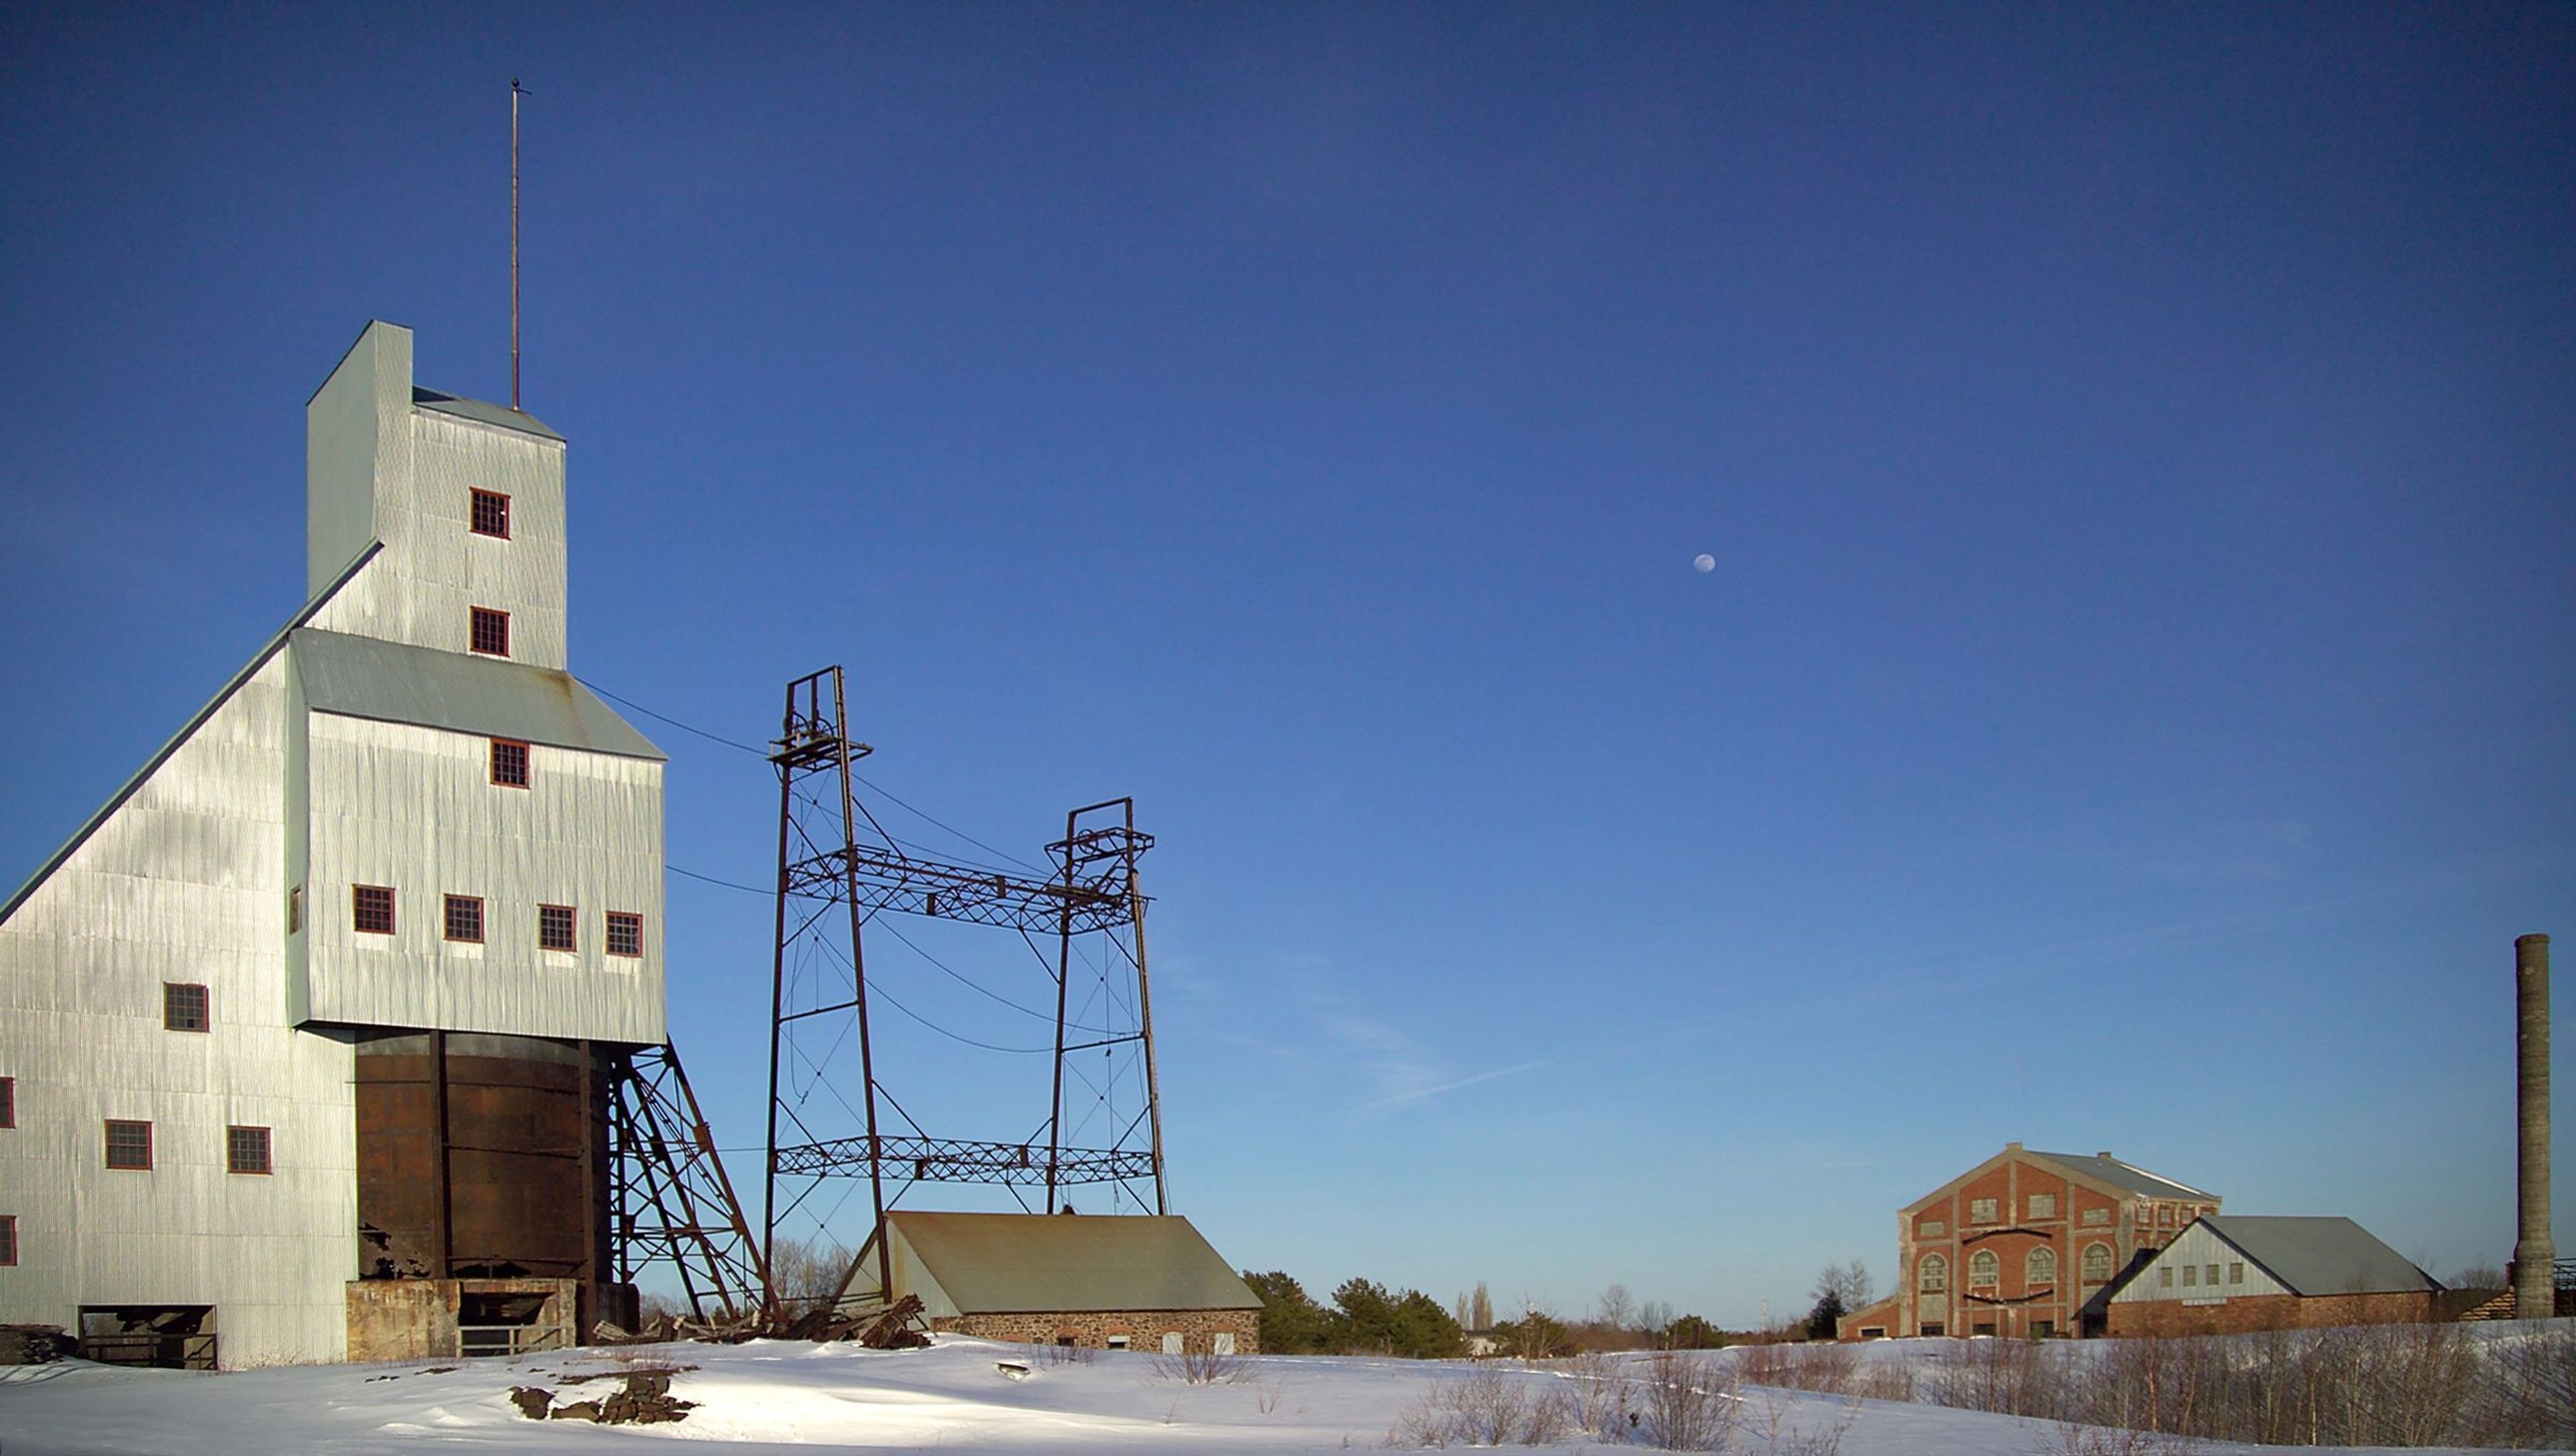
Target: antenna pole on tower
516	91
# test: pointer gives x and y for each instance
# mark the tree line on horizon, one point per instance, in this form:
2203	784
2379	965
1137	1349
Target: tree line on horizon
1366	1318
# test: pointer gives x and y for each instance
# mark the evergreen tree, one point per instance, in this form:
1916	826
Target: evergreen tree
1291	1322
1422	1330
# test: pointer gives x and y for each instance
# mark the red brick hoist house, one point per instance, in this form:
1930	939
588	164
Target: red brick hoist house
2026	1244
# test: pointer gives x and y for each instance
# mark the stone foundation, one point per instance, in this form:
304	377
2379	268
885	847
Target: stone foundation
2158	1317
416	1319
1143	1329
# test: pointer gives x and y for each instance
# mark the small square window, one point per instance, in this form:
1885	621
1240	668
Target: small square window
555	927
2190	1275
625	933
371	909
246	1150
2211	1277
8	1240
509	763
129	1145
1981	1210
2097	1215
490	633
2043	1205
2164	1277
465	918
2236	1272
491	514
1934	1228
8	1102
185	1008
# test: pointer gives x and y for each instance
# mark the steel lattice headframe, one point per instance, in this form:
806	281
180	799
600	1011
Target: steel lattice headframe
831	884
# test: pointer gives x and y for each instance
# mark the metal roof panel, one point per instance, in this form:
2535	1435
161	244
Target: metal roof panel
393	682
991	1263
484	412
2320	1256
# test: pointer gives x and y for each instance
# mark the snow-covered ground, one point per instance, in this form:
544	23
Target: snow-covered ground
772	1395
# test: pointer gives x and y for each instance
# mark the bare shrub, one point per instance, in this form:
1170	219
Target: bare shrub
2008	1377
1201	1367
806	1273
1066	1354
1487	1407
1884	1380
1598	1394
2527	1394
1685	1402
1776	1434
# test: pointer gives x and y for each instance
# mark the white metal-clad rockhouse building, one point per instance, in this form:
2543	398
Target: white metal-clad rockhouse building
311	1013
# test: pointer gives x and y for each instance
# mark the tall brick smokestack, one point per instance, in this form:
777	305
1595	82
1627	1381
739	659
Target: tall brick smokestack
2534	1254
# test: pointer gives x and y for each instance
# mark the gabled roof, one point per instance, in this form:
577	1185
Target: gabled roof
2102	1167
2318	1256
2105	1173
394	682
993	1263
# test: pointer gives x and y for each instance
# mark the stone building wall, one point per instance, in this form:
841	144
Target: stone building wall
1092	1328
2154	1317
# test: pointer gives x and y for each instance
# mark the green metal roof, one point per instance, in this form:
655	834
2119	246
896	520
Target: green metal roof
996	1263
393	682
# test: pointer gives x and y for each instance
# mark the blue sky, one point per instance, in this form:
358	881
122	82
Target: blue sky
2129	709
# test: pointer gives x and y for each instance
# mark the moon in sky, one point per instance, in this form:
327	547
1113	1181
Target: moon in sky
1704	562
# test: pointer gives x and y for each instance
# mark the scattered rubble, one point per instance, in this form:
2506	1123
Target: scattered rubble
897	1327
646	1400
34	1344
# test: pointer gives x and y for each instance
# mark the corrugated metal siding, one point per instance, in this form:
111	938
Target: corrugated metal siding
184	882
414	808
419	489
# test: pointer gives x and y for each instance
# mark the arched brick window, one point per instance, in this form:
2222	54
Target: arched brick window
1984	1269
2040	1268
1935	1274
2097	1263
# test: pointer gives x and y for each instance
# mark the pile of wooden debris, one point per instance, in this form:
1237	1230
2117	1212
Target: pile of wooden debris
900	1326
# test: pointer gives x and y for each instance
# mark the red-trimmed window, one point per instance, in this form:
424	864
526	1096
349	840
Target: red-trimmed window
8	1240
8	1102
129	1145
491	514
625	933
509	763
555	927
371	909
246	1150
489	632
186	1008
465	918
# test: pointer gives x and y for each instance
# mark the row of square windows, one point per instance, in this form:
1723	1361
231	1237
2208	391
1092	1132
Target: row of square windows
371	912
129	1148
2191	1274
129	1142
2044	1206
